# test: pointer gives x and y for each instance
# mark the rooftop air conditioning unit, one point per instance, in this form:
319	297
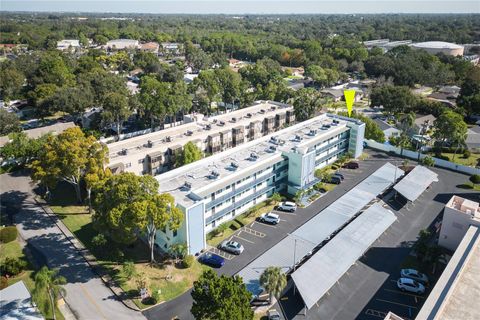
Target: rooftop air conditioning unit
208	127
187	185
262	111
312	132
168	139
253	156
272	149
249	115
234	119
214	174
189	132
124	151
298	138
234	165
149	143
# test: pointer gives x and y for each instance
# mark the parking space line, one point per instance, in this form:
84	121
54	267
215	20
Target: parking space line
221	253
253	232
236	236
267	225
284	212
375	313
404	293
397	303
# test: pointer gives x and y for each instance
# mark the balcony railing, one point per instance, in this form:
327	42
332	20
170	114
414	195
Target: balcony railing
238	204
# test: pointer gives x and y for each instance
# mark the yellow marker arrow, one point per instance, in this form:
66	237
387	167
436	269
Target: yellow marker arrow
349	97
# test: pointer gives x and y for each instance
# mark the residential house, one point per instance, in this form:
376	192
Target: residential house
334	94
17	303
150	47
68	44
388	130
170	48
473	139
120	44
56	128
423	123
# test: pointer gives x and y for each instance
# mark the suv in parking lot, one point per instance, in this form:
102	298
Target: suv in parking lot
271	218
231	246
351	165
287	206
410	285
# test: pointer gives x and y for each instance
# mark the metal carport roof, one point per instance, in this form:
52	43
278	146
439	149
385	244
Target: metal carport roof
416	182
327	266
320	227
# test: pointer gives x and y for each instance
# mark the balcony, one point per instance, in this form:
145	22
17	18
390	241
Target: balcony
238	204
238	190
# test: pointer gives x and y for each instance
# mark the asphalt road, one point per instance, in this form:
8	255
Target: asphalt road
255	246
87	296
368	290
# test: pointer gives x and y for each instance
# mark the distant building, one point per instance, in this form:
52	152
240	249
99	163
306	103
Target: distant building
459	214
334	94
38	132
435	47
120	44
423	123
473	138
171	48
150	47
17	303
388	130
68	44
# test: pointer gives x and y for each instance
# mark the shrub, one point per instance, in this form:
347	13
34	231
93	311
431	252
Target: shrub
128	269
467	154
12	266
155	297
3	282
221	228
475	179
188	261
8	234
99	240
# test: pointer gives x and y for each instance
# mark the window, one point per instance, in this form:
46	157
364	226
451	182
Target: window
128	165
174	233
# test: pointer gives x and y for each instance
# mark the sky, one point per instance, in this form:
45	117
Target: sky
244	7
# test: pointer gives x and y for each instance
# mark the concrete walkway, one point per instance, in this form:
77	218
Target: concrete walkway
87	296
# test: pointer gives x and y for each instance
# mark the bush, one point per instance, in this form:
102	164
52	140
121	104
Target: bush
3	282
188	261
128	269
467	154
475	179
155	296
12	266
8	234
99	240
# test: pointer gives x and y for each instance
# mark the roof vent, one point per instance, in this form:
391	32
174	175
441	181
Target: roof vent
214	174
208	127
281	142
234	119
189	132
168	139
221	123
262	111
249	115
149	143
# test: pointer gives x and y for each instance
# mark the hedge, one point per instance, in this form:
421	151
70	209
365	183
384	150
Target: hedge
8	234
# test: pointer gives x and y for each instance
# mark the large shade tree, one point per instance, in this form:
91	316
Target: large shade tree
221	298
273	280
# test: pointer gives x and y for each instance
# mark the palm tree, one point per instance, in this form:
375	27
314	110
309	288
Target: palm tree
273	280
48	283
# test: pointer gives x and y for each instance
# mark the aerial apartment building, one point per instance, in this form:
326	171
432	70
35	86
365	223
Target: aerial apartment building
156	152
215	189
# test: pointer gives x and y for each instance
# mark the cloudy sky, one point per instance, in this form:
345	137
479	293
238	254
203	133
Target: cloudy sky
245	6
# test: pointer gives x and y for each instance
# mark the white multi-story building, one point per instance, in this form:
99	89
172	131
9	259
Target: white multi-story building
68	44
119	44
156	152
459	214
218	188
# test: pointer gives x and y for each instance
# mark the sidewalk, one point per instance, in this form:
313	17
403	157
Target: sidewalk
91	260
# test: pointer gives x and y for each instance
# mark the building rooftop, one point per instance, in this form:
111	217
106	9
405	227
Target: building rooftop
180	135
457	291
202	177
464	205
437	45
35	133
16	303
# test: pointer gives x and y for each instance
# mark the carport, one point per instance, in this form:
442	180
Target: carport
415	183
295	246
327	266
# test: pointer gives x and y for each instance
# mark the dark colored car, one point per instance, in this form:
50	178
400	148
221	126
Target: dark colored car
351	165
338	174
212	260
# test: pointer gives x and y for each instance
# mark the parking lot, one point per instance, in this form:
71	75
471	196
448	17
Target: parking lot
368	290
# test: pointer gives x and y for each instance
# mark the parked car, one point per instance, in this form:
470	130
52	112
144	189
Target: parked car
351	165
212	260
231	246
338	174
333	179
415	275
287	206
410	285
273	314
270	218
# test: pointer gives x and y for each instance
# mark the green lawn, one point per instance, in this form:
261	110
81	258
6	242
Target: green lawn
471	161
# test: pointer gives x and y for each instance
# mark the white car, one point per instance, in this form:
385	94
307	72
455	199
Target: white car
273	315
410	285
287	206
414	274
231	246
270	218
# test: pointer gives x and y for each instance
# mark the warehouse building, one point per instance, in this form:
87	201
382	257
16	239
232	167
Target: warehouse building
218	188
156	152
435	47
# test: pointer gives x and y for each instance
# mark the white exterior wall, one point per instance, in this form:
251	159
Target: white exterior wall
454	226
